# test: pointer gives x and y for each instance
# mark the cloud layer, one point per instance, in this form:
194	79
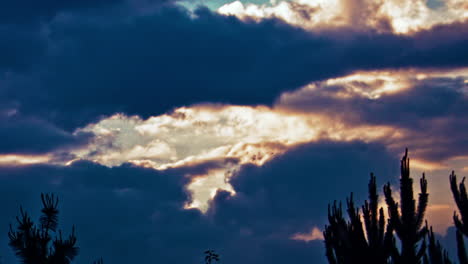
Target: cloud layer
139	113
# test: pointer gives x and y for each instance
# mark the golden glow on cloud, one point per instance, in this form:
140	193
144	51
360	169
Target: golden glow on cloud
246	134
232	136
426	165
440	216
199	133
315	234
192	135
368	84
403	16
19	160
204	188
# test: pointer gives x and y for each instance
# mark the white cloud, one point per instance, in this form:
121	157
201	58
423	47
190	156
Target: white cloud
246	134
402	16
20	160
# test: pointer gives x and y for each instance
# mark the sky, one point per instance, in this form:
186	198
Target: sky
168	127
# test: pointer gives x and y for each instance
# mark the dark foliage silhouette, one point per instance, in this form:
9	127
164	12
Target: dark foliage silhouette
35	244
407	220
348	242
461	200
211	256
436	254
351	241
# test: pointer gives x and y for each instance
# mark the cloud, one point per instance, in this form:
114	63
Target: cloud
20	48
424	107
28	135
402	17
229	135
34	12
307	177
142	210
387	107
147	64
315	234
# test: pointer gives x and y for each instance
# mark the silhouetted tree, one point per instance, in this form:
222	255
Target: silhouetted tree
210	255
406	219
32	242
437	255
347	242
461	200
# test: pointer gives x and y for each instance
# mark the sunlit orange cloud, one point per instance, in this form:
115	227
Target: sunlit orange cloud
370	84
401	16
247	134
21	160
191	135
315	234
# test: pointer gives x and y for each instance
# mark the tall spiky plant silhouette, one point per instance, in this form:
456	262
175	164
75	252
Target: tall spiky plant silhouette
32	242
435	254
461	200
407	219
348	241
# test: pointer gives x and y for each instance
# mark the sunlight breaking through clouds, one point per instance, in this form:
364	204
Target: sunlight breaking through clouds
193	135
21	160
389	15
232	136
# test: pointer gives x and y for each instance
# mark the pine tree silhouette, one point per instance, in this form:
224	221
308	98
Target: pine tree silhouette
437	255
461	200
32	243
347	242
406	219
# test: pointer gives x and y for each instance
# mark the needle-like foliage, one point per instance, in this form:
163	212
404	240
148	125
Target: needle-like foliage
32	243
348	241
437	255
461	200
406	219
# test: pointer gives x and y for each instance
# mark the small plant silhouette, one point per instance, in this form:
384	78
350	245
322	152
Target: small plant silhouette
32	242
210	256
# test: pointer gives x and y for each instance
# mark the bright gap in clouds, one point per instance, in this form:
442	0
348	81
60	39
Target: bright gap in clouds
383	15
17	159
231	136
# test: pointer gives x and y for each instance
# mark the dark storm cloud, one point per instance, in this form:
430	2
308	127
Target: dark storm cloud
31	11
434	111
128	214
291	193
149	64
20	48
27	135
